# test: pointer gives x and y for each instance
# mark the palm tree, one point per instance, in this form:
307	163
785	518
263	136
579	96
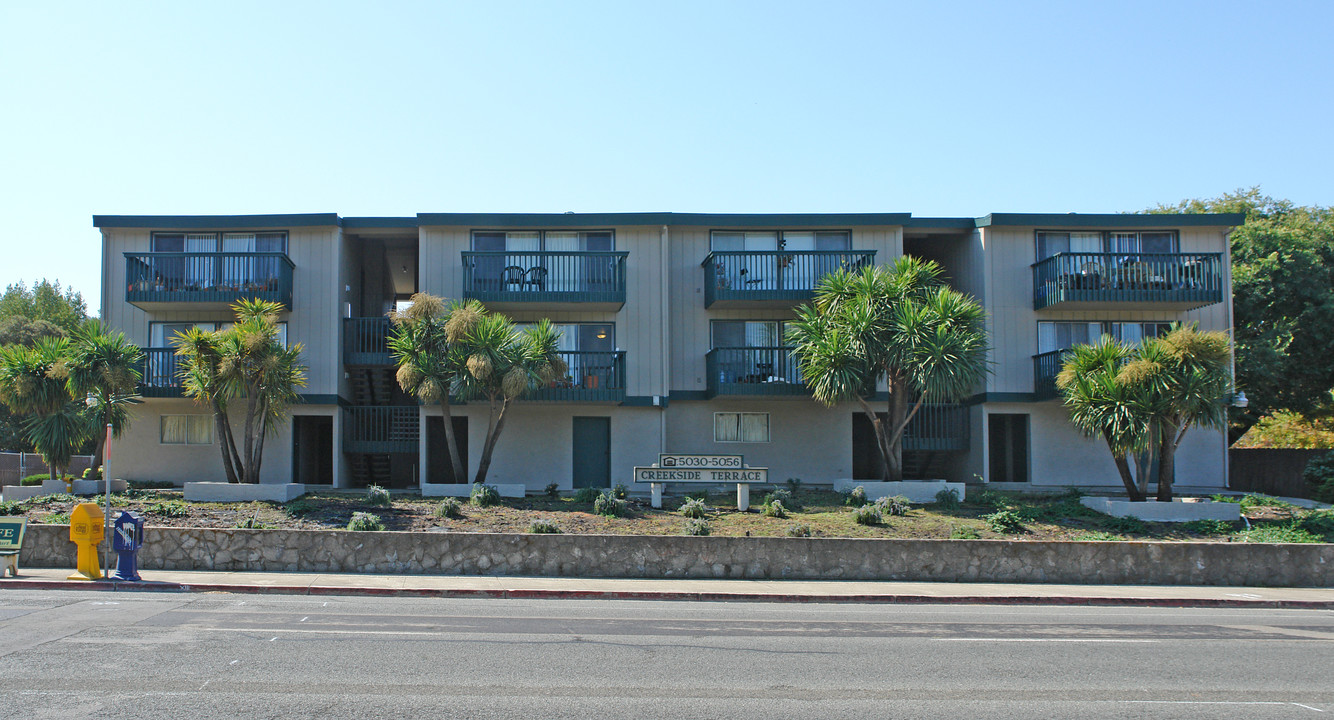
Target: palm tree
245	362
103	365
429	364
32	382
1102	404
901	324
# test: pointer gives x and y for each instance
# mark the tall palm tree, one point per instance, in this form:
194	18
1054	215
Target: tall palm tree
245	362
103	365
1102	404
901	324
429	363
33	383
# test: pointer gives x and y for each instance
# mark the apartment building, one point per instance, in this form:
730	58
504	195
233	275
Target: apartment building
672	326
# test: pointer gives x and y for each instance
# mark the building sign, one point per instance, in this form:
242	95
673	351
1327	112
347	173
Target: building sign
699	461
701	475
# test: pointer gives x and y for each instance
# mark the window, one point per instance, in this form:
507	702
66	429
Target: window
590	351
1054	336
1157	241
186	429
534	261
772	260
741	427
229	273
162	334
1133	332
229	242
793	240
752	351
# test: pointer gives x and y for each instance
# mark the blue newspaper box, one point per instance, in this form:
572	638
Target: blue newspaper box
127	536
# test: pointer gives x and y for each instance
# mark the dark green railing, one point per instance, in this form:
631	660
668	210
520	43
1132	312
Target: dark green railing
159	373
380	429
937	426
221	277
591	377
753	371
1046	366
786	275
1191	279
366	341
573	277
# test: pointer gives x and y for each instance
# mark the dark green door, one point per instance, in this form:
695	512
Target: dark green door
592	452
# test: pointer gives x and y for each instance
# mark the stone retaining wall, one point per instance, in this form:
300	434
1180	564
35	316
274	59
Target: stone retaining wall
1113	563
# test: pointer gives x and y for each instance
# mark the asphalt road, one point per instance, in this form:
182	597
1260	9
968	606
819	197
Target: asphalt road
125	655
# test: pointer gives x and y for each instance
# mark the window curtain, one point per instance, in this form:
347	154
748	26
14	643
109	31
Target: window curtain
200	430
755	427
563	272
175	430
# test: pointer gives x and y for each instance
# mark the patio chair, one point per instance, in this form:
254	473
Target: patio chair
512	276
536	277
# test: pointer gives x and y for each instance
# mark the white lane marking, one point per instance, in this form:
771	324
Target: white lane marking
325	605
273	638
1078	640
305	618
1248	596
313	631
233	662
206	682
1217	702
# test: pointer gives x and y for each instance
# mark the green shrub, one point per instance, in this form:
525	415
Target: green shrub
1006	522
553	491
92	473
376	495
948	499
168	508
1261	500
609	505
300	507
250	523
587	495
1207	527
694	508
448	508
11	507
483	495
1319	474
799	530
964	532
1100	536
1319	522
893	506
620	492
991	498
56	519
36	479
543	527
697	527
774	510
1126	525
867	515
1288	533
364	521
782	496
855	497
1225	498
149	484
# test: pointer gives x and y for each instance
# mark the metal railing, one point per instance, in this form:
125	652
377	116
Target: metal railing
159	373
753	371
785	275
937	426
587	277
222	277
1046	366
380	429
1192	279
366	341
591	377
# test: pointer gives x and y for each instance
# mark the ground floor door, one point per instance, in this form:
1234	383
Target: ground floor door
439	469
592	452
1007	447
312	449
867	463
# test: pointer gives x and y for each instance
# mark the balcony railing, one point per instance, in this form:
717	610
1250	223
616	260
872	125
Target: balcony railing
380	429
1187	280
937	426
1046	366
159	371
546	277
753	371
592	377
366	341
779	275
211	277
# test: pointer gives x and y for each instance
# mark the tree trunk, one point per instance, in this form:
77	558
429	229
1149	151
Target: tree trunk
1167	462
455	460
226	442
248	458
492	434
1123	469
98	449
880	440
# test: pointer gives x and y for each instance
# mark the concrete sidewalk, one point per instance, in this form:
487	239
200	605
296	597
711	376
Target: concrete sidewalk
473	586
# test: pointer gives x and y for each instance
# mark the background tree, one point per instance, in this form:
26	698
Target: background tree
900	323
102	364
47	301
248	363
428	365
32	384
1102	405
1283	303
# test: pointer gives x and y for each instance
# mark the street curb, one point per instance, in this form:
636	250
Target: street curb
675	595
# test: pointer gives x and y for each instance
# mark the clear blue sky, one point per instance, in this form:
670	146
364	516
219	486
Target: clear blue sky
397	108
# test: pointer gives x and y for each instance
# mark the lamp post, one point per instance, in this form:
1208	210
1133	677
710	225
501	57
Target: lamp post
91	402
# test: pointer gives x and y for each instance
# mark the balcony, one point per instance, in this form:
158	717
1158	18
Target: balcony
206	280
1045	368
158	371
366	342
754	371
1163	281
768	278
593	377
515	280
380	429
936	427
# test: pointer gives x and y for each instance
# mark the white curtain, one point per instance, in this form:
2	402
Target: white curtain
175	430
726	427
755	427
563	273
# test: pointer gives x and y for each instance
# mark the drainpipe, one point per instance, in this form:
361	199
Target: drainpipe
664	339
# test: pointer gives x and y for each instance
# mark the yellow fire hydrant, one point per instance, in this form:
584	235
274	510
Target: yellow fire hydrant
85	530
